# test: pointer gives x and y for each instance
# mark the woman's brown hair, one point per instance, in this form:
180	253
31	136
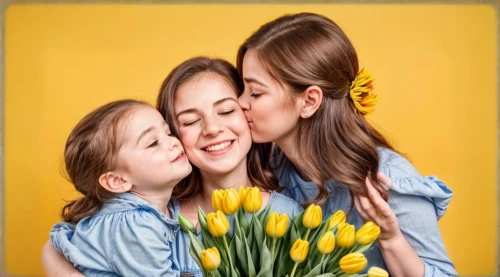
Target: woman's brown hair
258	167
337	142
91	150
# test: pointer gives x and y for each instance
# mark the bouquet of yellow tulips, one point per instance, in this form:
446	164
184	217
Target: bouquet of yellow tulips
268	245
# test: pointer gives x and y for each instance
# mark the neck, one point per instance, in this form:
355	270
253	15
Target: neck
159	198
212	181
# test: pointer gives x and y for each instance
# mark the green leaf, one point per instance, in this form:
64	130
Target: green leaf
316	271
196	255
241	252
242	219
258	232
266	267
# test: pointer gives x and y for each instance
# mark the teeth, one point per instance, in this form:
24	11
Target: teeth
218	146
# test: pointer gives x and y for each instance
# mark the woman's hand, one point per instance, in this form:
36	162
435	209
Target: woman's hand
55	264
377	210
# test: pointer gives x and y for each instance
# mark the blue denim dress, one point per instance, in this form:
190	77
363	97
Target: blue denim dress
417	201
127	237
188	267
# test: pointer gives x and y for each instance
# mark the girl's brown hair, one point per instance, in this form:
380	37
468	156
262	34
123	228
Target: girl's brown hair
258	167
337	142
91	150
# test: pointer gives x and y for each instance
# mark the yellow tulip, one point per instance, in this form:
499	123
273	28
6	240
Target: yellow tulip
312	217
218	225
217	199
377	272
230	201
276	225
368	233
326	243
210	258
337	218
241	193
345	235
253	200
299	250
353	263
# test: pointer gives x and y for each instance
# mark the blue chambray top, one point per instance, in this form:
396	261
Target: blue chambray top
188	267
127	237
417	201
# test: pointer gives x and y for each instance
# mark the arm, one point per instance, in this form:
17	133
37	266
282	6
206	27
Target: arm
55	264
142	247
413	248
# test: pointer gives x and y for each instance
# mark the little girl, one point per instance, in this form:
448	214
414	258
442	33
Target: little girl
125	162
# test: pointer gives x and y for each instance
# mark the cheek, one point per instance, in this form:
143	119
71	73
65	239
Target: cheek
188	140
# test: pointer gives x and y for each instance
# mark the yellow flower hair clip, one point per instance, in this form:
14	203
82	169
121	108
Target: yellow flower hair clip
361	92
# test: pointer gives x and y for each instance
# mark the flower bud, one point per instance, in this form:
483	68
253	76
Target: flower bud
345	235
326	243
186	224
230	201
299	250
210	258
337	218
312	217
377	272
277	224
253	200
217	199
353	263
368	233
218	225
241	193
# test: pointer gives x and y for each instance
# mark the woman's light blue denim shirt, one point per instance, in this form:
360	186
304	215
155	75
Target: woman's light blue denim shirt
188	267
127	237
417	201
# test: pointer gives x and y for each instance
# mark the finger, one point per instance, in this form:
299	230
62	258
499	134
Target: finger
384	181
373	193
368	208
360	210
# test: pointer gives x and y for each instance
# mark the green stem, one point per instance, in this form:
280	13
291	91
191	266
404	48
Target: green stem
307	234
228	252
209	273
272	250
294	268
237	223
322	258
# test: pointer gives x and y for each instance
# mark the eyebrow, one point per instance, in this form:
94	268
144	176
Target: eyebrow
252	80
218	102
144	133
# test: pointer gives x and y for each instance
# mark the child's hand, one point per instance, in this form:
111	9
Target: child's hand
378	211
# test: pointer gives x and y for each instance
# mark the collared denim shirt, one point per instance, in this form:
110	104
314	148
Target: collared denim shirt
417	201
127	237
188	267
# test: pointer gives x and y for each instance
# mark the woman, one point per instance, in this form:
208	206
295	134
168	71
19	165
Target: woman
304	91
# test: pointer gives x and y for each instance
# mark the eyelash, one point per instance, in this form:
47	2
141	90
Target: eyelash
154	144
189	123
228	112
255	95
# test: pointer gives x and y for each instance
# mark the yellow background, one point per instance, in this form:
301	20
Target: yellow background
435	69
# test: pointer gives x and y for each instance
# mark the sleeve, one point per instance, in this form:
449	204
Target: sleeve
78	246
418	203
141	247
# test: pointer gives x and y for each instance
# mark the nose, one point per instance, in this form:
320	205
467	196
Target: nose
173	143
243	101
212	127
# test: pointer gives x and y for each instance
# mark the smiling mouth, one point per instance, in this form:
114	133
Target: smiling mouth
219	146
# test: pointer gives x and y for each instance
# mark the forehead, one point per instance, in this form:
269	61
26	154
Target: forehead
140	118
203	90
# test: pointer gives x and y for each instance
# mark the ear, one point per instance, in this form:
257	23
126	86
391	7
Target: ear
113	182
311	99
